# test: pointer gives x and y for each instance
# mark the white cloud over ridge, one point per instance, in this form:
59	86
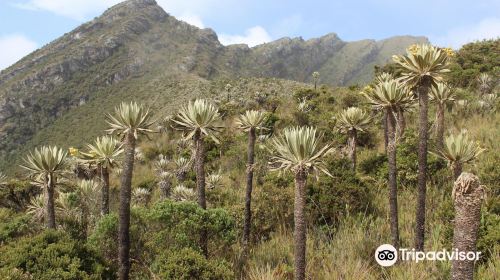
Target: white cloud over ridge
14	47
253	36
488	28
191	19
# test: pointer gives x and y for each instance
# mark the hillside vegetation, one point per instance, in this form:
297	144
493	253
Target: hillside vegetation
135	44
346	210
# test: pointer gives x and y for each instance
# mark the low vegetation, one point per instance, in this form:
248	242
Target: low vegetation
292	181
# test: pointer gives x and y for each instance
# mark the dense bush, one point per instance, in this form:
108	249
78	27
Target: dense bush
51	255
473	59
407	162
272	206
331	198
350	99
177	225
12	225
17	194
167	226
104	238
306	93
189	264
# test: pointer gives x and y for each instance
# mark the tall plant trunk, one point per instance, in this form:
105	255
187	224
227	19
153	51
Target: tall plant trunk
300	224
315	85
401	121
124	210
50	212
440	127
386	135
457	169
393	188
248	197
105	191
200	184
423	103
164	189
352	148
467	196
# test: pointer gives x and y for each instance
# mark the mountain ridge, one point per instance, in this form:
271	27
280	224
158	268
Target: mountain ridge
136	42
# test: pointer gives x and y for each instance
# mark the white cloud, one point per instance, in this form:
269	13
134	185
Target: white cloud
488	28
253	36
192	19
13	48
76	9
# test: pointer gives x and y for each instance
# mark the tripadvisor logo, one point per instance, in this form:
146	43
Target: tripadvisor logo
387	255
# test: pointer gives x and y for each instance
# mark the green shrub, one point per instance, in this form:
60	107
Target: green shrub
407	162
177	225
489	234
306	93
372	165
148	184
12	225
301	118
17	194
350	99
52	255
104	238
166	226
189	264
272	206
329	199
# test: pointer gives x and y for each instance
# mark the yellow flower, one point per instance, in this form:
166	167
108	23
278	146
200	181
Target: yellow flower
449	51
367	88
73	151
413	49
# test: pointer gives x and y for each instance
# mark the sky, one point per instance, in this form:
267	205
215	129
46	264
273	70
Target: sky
26	25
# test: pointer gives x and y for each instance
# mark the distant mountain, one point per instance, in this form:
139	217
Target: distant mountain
135	50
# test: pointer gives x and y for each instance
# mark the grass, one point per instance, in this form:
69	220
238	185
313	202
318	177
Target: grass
348	253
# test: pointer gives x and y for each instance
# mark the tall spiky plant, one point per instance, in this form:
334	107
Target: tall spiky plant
141	196
251	122
197	120
351	121
44	165
161	167
181	193
298	150
389	96
315	76
459	150
36	207
382	77
422	66
105	153
214	180
485	83
182	166
80	210
130	120
442	95
228	89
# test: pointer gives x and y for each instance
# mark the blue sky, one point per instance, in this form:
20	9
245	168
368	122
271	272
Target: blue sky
30	24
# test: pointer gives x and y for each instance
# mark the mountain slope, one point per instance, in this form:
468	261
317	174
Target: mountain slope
135	50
